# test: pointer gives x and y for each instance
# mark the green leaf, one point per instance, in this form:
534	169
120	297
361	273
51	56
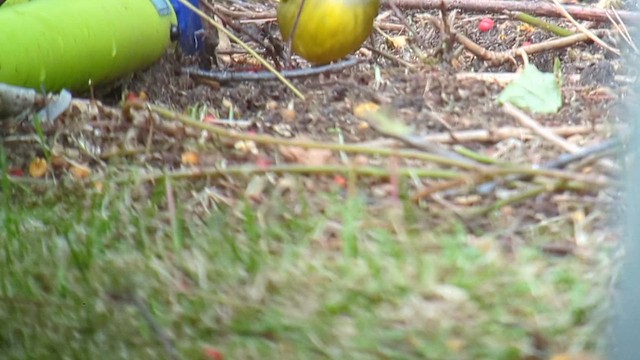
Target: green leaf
533	90
389	123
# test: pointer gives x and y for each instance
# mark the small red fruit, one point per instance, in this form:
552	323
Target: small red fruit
263	162
485	24
209	119
212	353
15	172
131	96
340	180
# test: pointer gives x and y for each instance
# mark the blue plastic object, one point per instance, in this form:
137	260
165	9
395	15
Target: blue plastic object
189	27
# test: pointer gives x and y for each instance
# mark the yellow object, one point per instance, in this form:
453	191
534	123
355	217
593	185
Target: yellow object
327	30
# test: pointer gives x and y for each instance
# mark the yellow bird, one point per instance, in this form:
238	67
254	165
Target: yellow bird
327	30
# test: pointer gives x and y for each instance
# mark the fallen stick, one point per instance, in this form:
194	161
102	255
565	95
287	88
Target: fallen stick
226	76
498	57
530	7
503	79
495	6
560	162
482	135
556	140
524	119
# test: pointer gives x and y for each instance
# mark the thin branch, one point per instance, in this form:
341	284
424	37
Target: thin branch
485	170
246	170
271	140
561	161
390	57
254	15
623	30
376	121
529	122
503	56
532	7
583	29
230	75
491	135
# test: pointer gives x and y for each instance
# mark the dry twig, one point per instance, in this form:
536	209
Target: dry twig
497	58
531	7
527	121
583	29
484	171
230	76
491	135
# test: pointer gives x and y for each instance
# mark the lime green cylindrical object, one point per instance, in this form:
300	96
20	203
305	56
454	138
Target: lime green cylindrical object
72	44
13	2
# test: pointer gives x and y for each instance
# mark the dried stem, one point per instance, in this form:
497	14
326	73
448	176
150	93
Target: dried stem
228	76
246	170
530	7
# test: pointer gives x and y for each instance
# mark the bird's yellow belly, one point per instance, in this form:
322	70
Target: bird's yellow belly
327	29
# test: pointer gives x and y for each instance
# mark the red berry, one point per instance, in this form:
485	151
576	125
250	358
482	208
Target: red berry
212	353
15	172
131	96
340	180
263	162
485	24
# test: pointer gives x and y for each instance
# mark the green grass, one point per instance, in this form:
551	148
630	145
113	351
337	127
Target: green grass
89	275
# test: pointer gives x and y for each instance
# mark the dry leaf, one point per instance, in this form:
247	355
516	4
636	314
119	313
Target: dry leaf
311	157
561	357
526	28
80	171
246	147
288	114
271	105
397	42
364	52
226	103
292	153
361	110
450	293
190	158
38	167
255	188
58	162
455	345
574	356
363	125
468	200
286	183
98	186
361	160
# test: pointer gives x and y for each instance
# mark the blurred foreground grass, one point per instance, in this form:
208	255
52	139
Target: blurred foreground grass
118	274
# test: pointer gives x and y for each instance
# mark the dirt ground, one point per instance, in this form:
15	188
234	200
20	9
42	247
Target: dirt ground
436	94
